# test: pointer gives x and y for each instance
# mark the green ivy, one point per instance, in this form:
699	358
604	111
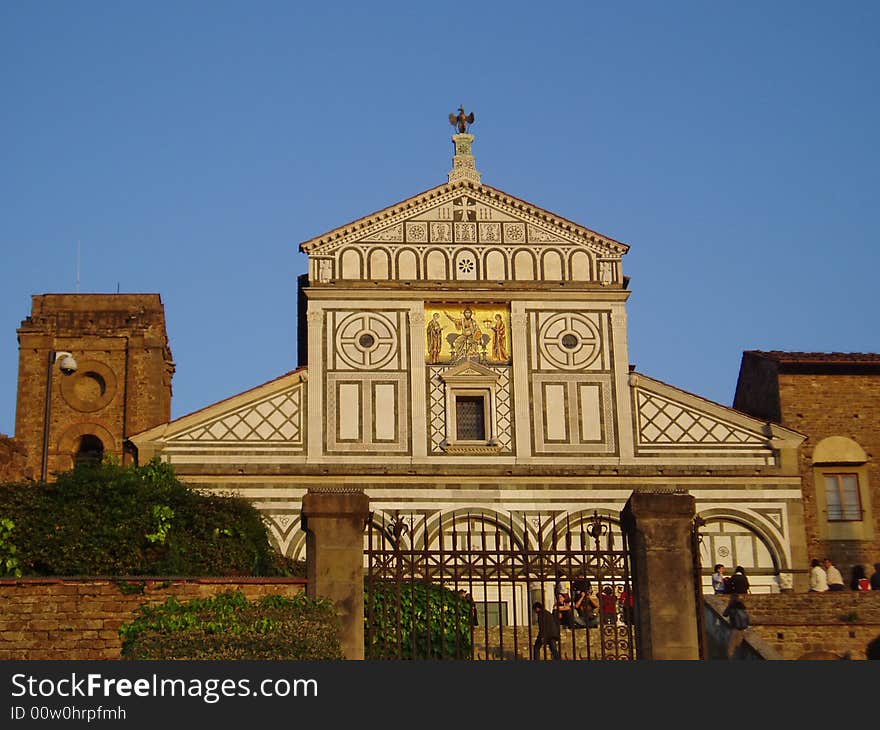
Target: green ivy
229	626
416	621
131	588
163	514
9	565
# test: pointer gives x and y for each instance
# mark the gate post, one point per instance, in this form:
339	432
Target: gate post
334	521
659	529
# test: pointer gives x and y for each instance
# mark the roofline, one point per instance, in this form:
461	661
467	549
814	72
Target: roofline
165	426
818	363
399	207
773	425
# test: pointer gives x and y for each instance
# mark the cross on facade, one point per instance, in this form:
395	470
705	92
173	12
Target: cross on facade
465	209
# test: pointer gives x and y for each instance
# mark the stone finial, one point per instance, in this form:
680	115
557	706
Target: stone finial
464	166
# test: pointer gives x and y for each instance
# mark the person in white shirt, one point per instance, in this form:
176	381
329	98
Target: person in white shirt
718	579
833	577
818	579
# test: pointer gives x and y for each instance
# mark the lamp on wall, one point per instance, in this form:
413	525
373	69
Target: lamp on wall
67	364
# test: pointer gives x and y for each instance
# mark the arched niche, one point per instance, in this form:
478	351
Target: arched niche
524	266
838	450
495	265
351	264
380	264
436	266
580	266
407	265
551	265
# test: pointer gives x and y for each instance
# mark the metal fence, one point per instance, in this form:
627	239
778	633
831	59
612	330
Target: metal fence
462	585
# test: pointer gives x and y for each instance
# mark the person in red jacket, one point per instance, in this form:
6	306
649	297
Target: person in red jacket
608	605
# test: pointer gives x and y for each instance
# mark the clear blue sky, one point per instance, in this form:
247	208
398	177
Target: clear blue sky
190	147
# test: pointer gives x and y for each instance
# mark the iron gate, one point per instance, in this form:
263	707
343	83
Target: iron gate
462	585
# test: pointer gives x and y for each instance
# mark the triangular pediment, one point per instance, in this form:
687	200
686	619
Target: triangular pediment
271	414
669	419
464	219
469	371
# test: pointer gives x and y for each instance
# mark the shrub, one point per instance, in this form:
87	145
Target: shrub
105	519
415	621
229	627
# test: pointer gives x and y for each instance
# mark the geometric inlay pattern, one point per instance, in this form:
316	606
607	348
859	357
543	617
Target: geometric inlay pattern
366	340
437	408
275	419
570	341
663	421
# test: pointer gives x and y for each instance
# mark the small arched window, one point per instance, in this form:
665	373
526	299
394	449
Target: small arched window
90	450
843	494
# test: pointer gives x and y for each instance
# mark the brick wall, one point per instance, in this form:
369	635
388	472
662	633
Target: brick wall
59	618
821	395
122	385
795	624
13	461
835	405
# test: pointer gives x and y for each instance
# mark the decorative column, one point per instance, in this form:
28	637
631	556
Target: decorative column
334	520
418	374
659	530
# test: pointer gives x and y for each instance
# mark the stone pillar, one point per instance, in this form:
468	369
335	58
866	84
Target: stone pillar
659	527
334	520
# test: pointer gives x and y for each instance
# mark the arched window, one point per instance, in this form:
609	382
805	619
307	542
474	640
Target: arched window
90	450
843	496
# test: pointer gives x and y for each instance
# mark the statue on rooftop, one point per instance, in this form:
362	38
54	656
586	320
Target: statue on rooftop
461	120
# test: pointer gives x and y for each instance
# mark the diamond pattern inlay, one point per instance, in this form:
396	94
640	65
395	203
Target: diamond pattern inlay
272	420
663	422
437	409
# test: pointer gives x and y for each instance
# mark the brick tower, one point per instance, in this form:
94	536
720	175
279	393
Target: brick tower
92	369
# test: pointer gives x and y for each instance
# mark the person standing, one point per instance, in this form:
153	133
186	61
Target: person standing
739	583
548	631
833	577
608	605
818	579
718	584
738	616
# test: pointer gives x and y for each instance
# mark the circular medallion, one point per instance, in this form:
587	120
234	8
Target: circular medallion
366	340
90	388
571	341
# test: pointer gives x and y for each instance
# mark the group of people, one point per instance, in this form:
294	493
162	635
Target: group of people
737	584
579	608
824	576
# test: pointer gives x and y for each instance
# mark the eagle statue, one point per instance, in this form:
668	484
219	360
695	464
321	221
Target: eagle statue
461	120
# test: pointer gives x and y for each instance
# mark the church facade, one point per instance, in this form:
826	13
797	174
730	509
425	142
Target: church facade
465	352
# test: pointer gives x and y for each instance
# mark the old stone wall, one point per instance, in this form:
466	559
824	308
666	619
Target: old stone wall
60	618
122	384
823	405
13	461
796	624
